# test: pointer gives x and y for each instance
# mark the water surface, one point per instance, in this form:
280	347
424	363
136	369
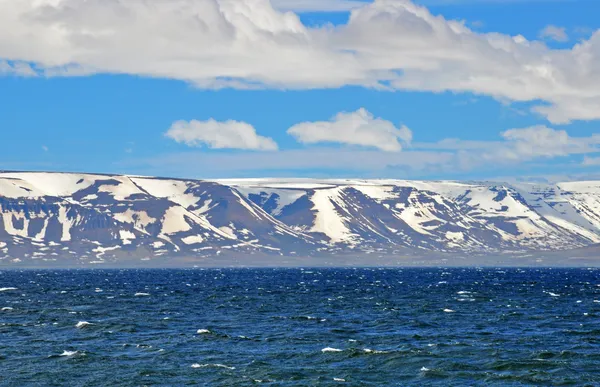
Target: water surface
293	327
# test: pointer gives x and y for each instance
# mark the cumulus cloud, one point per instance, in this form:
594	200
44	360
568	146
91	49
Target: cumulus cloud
219	135
555	33
356	128
387	44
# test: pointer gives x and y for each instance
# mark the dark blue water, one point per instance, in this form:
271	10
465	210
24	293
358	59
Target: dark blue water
291	327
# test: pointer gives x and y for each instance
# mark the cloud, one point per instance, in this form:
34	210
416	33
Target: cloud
219	135
541	141
387	44
316	5
517	151
483	2
45	148
295	161
591	161
516	147
356	128
555	33
17	68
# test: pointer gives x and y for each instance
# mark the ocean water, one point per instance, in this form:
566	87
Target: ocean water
293	327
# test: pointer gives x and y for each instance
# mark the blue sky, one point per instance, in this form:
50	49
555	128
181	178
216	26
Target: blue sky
395	93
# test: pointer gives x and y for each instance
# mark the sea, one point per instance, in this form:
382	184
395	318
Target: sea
300	327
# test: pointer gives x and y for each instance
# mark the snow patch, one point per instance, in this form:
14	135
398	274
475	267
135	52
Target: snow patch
192	239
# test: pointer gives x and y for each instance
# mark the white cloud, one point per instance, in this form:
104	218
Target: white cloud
591	161
296	160
541	141
483	2
518	146
392	44
356	128
316	5
523	148
18	68
552	32
45	148
219	135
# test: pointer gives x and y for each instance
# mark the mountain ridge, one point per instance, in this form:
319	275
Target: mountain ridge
100	219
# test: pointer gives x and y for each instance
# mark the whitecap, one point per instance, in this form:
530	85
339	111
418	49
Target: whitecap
82	324
463	292
367	350
203	331
329	349
449	311
69	353
217	365
6	309
339	380
425	369
7	289
140	294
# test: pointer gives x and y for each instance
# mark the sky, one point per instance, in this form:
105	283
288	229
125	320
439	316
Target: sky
429	89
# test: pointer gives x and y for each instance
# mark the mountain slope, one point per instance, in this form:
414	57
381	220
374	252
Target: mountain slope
88	218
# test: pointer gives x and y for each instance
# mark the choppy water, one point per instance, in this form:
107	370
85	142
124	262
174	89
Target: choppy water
292	327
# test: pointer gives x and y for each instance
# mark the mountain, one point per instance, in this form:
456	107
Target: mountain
69	219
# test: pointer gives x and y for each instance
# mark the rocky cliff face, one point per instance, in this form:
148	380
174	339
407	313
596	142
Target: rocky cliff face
85	218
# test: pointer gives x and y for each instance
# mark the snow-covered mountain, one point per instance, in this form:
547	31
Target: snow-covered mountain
86	218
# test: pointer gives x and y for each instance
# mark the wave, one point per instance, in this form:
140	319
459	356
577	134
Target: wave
329	349
552	294
69	353
7	289
82	324
215	365
374	351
